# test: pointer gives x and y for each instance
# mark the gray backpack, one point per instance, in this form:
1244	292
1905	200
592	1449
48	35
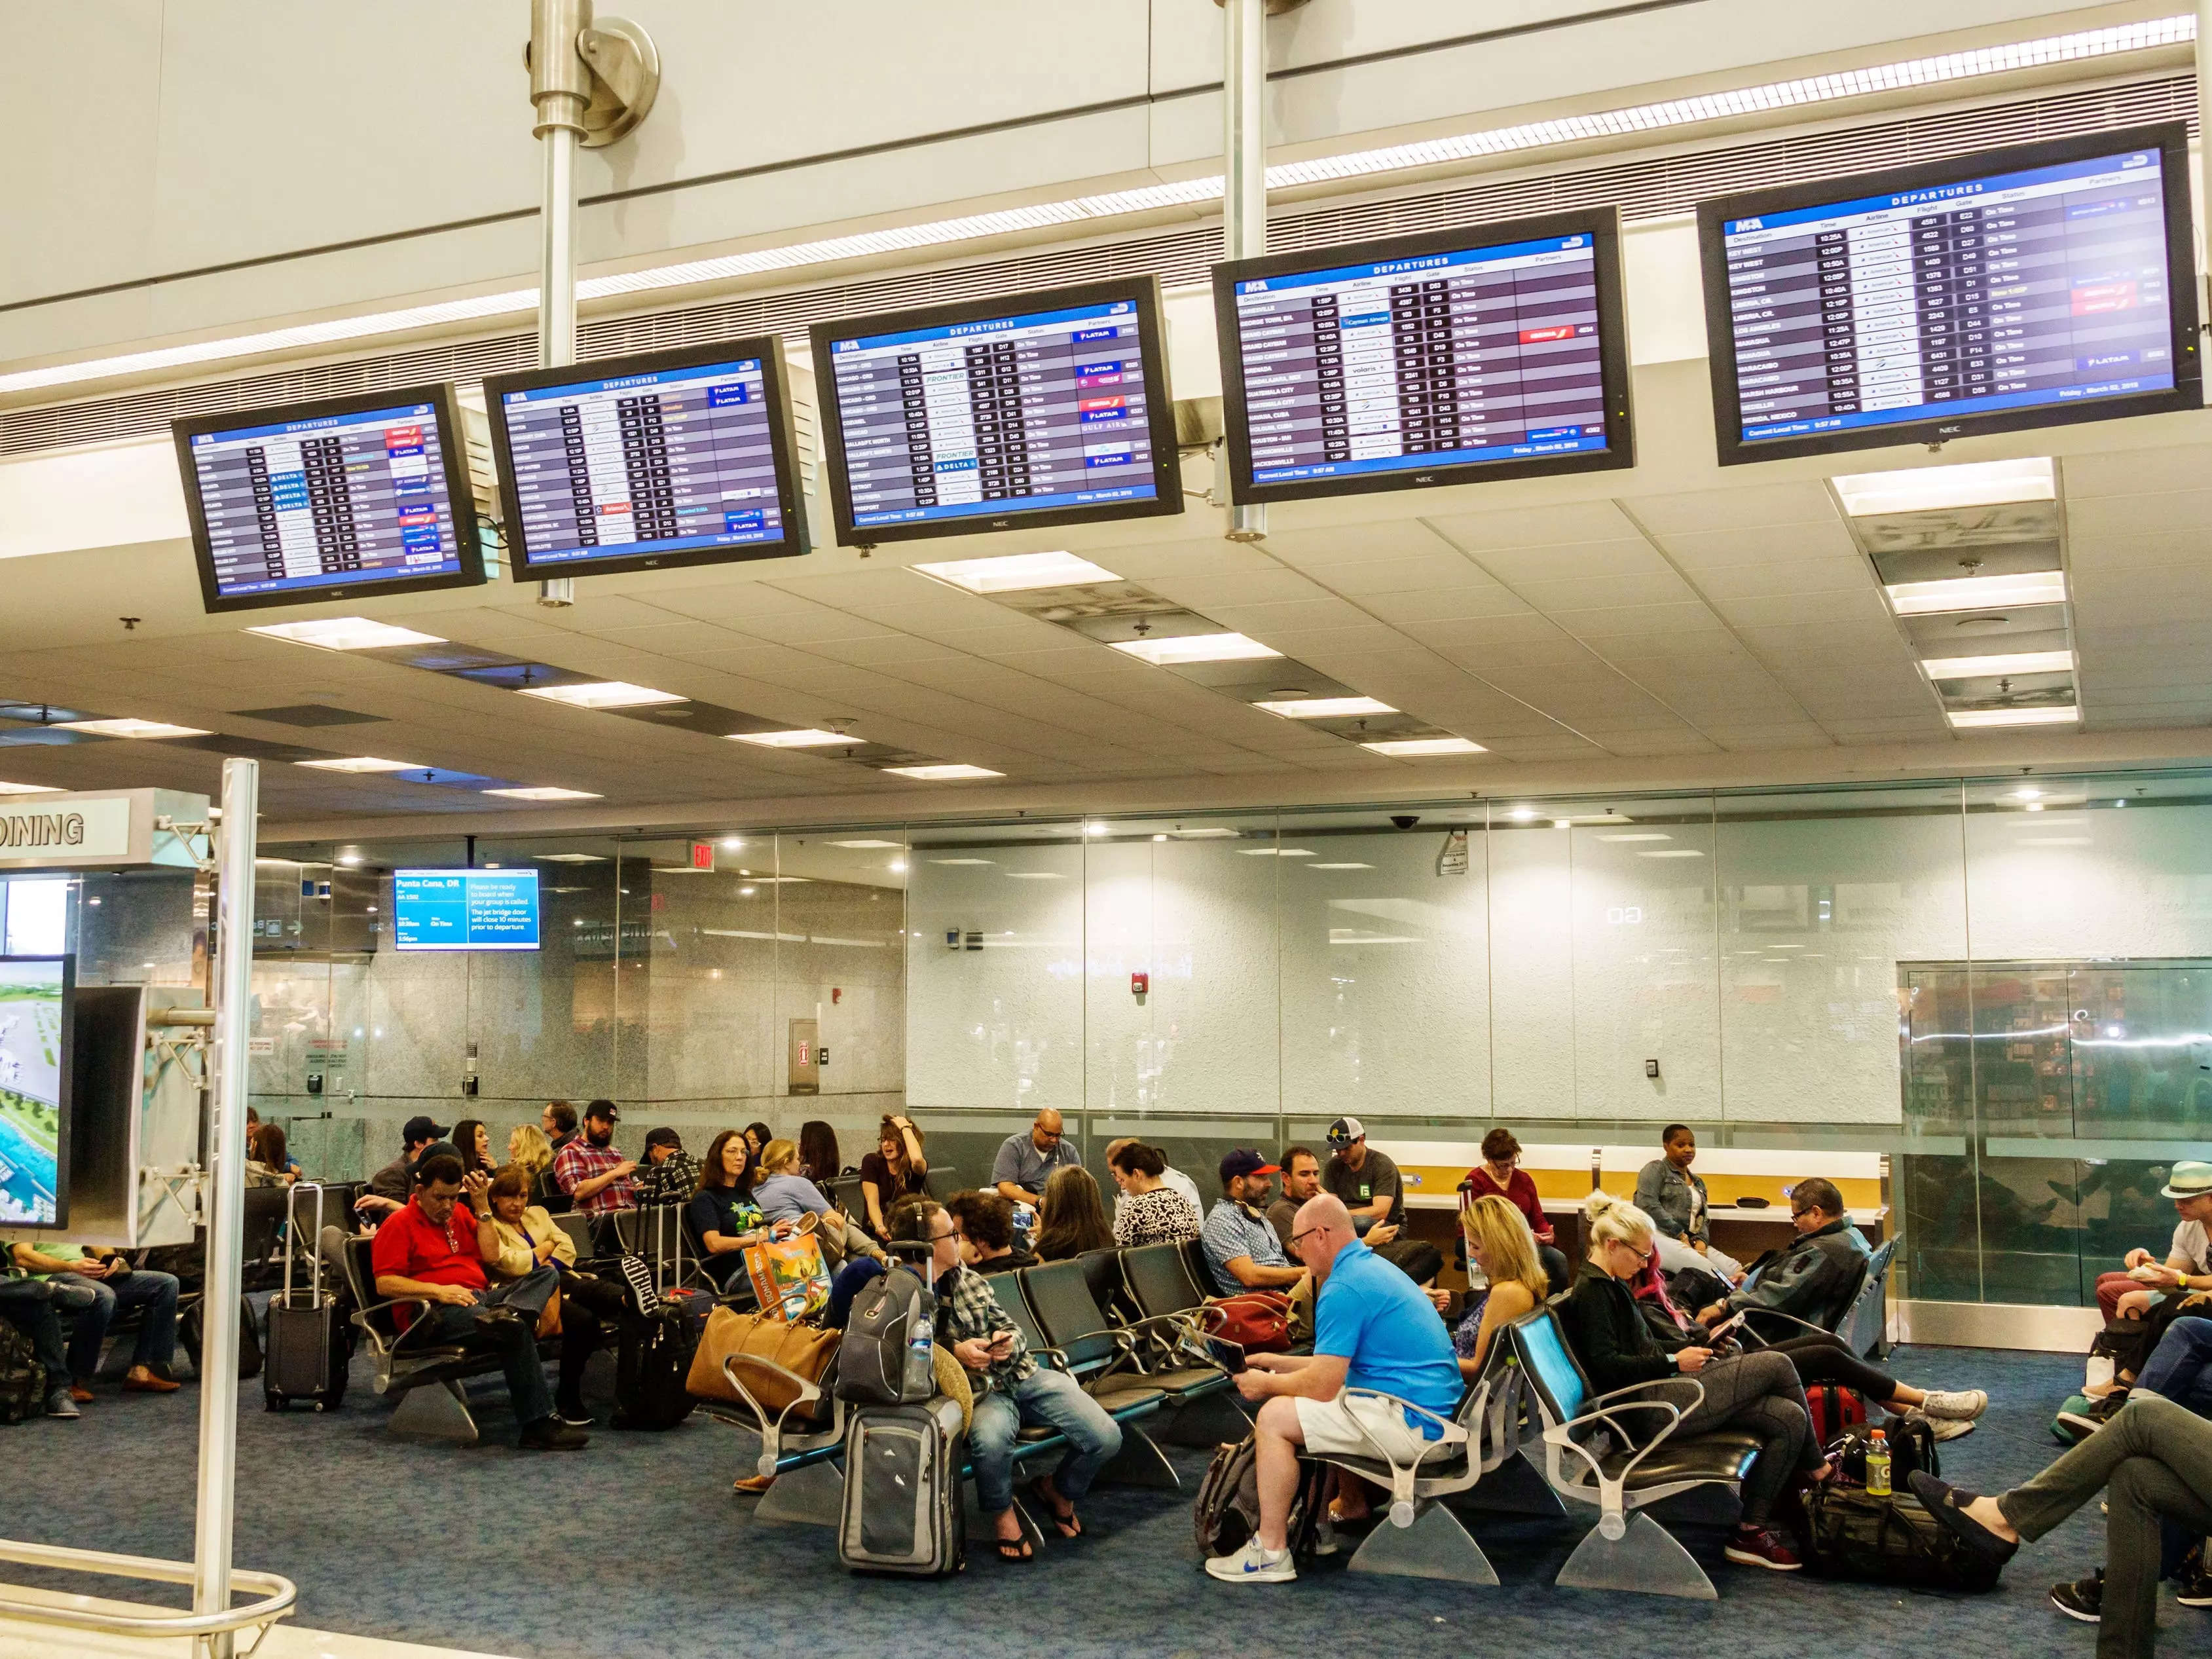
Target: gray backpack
888	1356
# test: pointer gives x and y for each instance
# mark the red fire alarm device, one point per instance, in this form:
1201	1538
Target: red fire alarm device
703	855
1139	983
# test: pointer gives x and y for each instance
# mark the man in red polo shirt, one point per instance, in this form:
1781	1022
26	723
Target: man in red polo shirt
421	1252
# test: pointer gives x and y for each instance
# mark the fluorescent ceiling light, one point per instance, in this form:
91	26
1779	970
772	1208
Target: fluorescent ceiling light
361	763
1977	593
1673	853
1522	815
1035	875
2043	715
545	792
804	738
896	867
1195	648
351	860
1094	828
571	857
1274	852
1019	573
131	728
1641	834
1339	866
871	844
603	693
28	789
1209	834
945	773
964	861
1325	709
2020	662
1635	121
345	633
1924	489
732	844
1412	748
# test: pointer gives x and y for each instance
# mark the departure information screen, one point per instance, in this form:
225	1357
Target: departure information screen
353	501
1027	412
2040	287
681	460
1481	355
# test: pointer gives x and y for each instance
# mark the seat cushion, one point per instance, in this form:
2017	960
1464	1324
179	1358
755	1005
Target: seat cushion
1724	1454
1188	1379
1451	1468
1124	1392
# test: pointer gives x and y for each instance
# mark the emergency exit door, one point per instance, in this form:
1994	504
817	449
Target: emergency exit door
804	1058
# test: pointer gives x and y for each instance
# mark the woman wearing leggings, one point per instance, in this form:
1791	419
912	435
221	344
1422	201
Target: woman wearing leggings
1758	1392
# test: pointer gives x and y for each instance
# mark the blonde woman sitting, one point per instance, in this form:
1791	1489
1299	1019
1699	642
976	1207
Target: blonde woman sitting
1500	1248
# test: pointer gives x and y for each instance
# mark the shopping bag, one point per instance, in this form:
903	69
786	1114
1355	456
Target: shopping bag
789	1276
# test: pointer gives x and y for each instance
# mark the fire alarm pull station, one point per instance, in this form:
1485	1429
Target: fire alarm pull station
1139	984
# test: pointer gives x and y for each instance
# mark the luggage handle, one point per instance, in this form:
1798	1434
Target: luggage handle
292	1238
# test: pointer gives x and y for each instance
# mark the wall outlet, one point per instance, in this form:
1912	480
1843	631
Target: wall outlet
1651	1068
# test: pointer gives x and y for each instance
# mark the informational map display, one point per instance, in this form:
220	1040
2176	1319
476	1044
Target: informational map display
465	910
680	458
330	500
1050	410
2038	289
34	1071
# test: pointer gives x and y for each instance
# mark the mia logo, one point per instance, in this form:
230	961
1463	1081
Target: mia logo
42	829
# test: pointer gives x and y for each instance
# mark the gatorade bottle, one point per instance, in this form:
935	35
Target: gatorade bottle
1877	1466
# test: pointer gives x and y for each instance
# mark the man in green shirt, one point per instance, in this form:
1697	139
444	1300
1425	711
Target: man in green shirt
90	1285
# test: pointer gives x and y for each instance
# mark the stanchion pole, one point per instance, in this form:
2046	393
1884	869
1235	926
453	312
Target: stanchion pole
1244	177
560	90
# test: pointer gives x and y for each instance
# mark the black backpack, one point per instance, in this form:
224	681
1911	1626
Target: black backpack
1227	1512
1852	1534
887	1356
22	1378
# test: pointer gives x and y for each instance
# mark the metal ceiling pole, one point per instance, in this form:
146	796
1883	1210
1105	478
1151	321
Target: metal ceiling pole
1244	163
560	88
226	1197
2204	153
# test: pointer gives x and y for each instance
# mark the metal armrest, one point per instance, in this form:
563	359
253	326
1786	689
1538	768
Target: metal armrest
1402	1478
377	1340
1750	1314
771	1433
1612	1493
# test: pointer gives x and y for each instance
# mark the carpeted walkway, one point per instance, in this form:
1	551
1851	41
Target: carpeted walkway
636	1547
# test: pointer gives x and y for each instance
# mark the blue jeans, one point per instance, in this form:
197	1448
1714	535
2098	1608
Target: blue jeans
94	1302
28	1306
2180	1368
514	1340
1047	1399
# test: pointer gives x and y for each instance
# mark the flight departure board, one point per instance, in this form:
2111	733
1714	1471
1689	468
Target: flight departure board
1048	408
671	459
1436	359
2014	289
333	499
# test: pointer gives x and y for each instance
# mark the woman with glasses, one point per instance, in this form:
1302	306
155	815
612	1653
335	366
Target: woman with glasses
1757	1392
1500	1176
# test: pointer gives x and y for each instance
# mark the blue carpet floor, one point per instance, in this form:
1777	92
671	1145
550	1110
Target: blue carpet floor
636	1547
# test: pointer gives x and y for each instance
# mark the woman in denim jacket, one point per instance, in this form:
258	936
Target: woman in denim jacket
1674	1199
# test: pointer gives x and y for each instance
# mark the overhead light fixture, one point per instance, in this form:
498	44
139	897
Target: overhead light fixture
1159	837
1195	648
1275	852
131	728
897	866
2035	806
1339	866
2027	791
1563	823
545	792
1640	834
2039	715
964	861
345	633
28	789
603	693
1673	853
803	737
1325	709
2019	662
1414	748
870	845
351	860
1978	592
1094	828
1018	573
747	892
945	773
571	857
1928	488
1211	832
732	844
1035	875
359	764
1522	815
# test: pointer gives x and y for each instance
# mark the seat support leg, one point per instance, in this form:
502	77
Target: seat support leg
1435	1547
1140	1462
812	1495
1646	1558
435	1411
1207	1421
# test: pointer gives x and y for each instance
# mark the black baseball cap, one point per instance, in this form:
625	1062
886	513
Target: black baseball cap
663	1136
603	1110
1243	1162
422	1128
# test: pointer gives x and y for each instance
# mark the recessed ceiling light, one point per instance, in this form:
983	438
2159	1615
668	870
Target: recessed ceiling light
1159	837
570	858
1641	834
1211	833
351	860
1339	866
2027	791
28	789
732	844
1978	592
1034	875
1325	709
2039	714
964	861
944	774
1924	489
1195	648
1019	573
1522	815
1094	828
1274	852
897	866
2035	806
1673	853
1563	823
131	728
602	694
359	764
545	792
866	843
747	892
1413	748
2019	662
804	737
345	633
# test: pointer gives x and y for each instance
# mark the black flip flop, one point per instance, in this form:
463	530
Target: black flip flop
1069	1525
1015	1550
1948	1504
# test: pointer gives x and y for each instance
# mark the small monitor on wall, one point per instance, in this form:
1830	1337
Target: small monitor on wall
36	994
339	500
1038	408
1498	352
675	457
464	910
2020	288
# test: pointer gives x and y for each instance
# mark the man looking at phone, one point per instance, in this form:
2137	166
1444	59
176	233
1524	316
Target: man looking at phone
589	1168
2188	1264
94	1285
1819	1269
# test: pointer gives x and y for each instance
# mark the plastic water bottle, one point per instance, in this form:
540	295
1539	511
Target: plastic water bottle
1877	1466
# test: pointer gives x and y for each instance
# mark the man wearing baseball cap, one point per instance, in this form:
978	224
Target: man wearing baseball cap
1241	1248
2188	1264
591	1171
390	1188
1367	1181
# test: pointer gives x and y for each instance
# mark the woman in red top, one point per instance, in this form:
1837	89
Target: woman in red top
1500	1173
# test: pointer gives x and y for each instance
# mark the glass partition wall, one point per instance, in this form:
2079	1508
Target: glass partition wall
2005	987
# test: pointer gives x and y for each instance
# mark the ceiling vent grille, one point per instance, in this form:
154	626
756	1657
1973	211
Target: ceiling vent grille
1645	189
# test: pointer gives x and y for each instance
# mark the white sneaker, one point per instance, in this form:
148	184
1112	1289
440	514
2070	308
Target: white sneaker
1254	1566
1950	1428
1959	1405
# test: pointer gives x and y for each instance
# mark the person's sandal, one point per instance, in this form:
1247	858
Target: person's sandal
1068	1525
1948	1504
752	1486
1016	1550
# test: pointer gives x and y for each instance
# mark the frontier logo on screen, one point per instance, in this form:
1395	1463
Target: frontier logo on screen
465	910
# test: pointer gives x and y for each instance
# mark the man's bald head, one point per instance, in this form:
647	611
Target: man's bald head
1044	1131
1323	1228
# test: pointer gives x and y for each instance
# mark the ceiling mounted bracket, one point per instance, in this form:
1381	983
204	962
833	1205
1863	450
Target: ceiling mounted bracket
625	68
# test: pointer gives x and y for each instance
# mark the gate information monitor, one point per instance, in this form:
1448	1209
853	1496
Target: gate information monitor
2019	287
1053	408
465	910
335	500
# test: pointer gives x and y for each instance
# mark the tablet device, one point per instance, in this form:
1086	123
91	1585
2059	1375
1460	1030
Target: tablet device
1229	1356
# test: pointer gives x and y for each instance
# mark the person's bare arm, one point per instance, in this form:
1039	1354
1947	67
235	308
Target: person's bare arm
1015	1193
1378	1211
873	1195
1254	1277
1321	1377
1506	1303
391	1287
32	1260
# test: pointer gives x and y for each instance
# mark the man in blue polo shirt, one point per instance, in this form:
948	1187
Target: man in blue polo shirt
1370	1333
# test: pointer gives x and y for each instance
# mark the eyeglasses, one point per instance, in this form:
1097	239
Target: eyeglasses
1296	1238
1050	1134
1644	1255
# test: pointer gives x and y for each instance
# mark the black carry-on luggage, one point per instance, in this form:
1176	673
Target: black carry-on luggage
308	1354
903	1511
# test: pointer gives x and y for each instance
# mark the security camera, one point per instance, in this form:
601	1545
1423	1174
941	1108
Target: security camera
1405	820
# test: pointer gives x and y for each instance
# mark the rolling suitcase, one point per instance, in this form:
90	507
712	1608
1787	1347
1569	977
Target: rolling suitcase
903	1511
308	1355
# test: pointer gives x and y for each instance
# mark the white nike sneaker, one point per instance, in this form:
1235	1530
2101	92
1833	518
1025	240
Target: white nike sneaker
1961	1405
1254	1566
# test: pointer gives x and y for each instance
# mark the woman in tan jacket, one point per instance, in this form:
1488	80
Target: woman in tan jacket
519	1238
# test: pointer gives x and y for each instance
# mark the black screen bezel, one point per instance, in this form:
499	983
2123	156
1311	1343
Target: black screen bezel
459	490
64	1084
1159	408
783	447
1600	225
2169	137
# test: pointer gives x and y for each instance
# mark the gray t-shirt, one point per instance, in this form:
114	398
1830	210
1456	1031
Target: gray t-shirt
2191	1240
1376	1176
1019	1162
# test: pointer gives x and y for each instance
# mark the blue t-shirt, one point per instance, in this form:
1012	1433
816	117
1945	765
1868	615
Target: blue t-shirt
788	1197
1369	1314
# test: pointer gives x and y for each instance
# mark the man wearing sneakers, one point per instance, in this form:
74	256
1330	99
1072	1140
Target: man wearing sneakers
1373	1329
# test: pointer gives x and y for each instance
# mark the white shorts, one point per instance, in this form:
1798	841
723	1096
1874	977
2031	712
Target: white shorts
1332	1429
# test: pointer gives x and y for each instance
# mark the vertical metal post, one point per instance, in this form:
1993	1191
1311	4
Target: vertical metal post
560	88
218	1361
2204	154
1244	160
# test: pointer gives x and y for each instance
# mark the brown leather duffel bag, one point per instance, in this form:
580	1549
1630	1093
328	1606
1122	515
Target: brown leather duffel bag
805	1349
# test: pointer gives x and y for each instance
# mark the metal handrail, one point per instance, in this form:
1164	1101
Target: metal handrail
278	1594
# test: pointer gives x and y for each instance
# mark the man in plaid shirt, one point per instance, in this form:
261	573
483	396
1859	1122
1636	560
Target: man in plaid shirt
589	1168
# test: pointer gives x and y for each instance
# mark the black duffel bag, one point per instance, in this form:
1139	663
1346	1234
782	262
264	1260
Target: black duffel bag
1911	1445
1852	1534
